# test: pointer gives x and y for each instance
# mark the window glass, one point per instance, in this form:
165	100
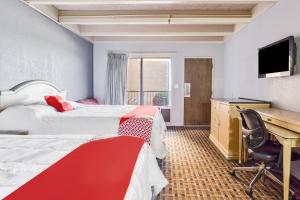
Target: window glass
155	87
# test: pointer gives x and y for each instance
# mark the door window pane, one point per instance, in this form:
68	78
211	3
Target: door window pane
156	81
149	81
133	81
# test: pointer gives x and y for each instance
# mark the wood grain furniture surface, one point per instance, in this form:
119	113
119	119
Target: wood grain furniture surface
285	127
225	124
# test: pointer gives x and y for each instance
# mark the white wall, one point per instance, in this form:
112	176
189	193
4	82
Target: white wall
241	58
181	50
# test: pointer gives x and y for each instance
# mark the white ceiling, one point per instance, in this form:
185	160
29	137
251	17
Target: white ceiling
153	20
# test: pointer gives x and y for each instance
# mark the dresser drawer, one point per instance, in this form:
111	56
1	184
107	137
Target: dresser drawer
275	121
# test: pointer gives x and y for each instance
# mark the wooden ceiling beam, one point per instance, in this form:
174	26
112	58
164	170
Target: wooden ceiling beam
104	20
244	13
156	19
118	2
209	20
156	34
157	30
209	39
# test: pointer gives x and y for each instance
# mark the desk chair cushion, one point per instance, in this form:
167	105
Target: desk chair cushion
269	152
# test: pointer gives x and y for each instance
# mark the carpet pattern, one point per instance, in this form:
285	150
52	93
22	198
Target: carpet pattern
197	170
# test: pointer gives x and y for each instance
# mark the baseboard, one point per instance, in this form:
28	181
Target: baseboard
172	126
197	126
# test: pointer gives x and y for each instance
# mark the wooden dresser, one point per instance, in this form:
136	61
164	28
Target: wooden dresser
225	124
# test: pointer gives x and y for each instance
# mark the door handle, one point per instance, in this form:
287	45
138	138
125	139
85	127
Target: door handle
187	89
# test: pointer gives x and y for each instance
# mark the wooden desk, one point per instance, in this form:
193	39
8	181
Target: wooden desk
285	127
225	124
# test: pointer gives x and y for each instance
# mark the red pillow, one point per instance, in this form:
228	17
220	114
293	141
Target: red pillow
58	103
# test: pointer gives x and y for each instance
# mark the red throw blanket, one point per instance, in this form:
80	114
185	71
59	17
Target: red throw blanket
100	169
138	122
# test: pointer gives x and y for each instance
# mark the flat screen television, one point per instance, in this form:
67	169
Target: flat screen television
277	59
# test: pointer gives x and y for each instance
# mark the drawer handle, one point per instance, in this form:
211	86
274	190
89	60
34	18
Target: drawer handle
269	119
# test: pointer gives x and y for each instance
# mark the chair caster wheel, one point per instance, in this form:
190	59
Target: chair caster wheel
249	193
232	173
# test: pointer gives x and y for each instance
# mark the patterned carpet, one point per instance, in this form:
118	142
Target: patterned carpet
197	170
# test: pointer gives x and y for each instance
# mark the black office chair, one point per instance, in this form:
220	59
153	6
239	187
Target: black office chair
262	150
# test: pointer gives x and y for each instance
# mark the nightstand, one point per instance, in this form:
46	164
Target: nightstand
14	132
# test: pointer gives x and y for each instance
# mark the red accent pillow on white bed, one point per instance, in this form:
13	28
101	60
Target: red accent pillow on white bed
58	103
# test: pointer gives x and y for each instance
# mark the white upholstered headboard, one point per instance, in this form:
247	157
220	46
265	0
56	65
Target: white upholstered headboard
29	92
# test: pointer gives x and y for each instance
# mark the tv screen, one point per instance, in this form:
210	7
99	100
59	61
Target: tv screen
277	59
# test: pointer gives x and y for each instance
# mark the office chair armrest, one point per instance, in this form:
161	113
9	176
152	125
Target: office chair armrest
247	132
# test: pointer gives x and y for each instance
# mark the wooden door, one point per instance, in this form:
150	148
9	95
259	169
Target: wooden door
198	91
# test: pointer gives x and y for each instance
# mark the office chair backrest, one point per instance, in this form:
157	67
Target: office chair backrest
253	125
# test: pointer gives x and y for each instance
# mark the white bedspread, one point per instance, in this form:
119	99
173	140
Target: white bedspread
100	120
23	157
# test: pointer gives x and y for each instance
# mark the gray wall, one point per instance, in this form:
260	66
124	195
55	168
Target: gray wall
34	47
241	58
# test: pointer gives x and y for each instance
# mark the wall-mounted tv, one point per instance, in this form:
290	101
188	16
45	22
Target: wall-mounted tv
277	59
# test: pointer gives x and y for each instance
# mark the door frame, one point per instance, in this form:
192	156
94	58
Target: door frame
212	82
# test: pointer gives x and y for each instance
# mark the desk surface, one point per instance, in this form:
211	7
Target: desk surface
283	115
239	101
282	132
284	125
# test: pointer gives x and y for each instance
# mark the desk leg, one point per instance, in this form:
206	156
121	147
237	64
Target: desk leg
287	151
241	147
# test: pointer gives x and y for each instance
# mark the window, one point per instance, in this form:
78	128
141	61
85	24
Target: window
149	81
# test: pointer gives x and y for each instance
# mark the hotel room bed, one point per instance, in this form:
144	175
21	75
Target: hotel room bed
23	109
24	157
101	120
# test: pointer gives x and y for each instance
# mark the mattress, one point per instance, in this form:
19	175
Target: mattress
85	119
24	157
